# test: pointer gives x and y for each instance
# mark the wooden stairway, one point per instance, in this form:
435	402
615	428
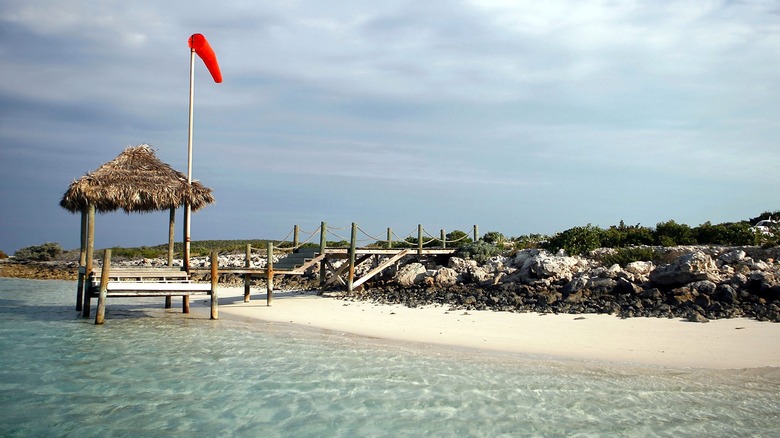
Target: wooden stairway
299	261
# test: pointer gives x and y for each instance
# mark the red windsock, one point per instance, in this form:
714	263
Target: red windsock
198	43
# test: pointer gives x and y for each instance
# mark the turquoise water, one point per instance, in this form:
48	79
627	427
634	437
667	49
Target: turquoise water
156	372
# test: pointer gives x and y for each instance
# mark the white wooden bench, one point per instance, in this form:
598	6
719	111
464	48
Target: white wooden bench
149	282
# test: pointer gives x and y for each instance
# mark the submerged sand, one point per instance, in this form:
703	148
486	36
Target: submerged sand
720	344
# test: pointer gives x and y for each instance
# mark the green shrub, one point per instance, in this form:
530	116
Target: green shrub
624	256
728	233
577	240
622	235
671	234
529	241
495	238
40	253
480	251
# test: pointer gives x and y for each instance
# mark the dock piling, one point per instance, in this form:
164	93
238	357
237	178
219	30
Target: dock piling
214	283
247	277
269	275
100	315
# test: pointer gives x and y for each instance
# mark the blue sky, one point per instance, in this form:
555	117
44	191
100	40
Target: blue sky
519	116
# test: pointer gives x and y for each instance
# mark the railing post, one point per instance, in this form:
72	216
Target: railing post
419	239
214	282
296	232
352	250
269	275
476	233
389	238
323	243
443	239
247	276
100	315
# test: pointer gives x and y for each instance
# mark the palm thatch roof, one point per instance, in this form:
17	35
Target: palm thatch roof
135	181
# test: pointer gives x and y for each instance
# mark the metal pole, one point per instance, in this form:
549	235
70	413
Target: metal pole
187	209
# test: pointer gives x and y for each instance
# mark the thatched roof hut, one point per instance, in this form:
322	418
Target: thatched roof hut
135	181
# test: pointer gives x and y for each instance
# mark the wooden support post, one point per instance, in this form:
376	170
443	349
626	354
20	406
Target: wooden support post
296	232
171	235
214	283
269	275
247	277
88	262
171	239
419	239
100	315
443	239
476	233
323	244
389	238
82	261
352	250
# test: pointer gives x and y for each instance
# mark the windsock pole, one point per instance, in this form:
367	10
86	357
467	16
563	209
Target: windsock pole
187	208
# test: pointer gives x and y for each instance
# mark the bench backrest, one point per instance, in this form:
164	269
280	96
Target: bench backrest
145	274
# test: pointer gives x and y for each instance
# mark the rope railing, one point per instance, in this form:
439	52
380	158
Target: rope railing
411	239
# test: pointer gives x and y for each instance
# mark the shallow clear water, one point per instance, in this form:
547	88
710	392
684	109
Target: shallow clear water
155	372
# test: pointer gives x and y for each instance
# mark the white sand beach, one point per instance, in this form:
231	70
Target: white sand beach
721	344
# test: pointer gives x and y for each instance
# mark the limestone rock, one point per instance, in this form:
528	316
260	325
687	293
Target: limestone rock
686	269
446	277
410	274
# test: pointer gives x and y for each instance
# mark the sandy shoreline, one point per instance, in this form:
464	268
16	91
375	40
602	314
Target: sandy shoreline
721	344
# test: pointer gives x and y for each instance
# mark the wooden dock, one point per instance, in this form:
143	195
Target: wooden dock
298	263
297	259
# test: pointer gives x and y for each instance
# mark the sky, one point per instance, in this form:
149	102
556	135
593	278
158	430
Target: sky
518	116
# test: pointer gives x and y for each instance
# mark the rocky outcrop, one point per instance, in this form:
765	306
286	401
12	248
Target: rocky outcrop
694	283
697	284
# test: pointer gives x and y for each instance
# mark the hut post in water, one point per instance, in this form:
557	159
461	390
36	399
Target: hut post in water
100	315
82	261
171	238
88	265
269	275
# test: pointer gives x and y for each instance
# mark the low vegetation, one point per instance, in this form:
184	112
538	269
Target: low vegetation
630	242
39	253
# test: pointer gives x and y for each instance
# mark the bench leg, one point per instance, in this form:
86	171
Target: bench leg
185	304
